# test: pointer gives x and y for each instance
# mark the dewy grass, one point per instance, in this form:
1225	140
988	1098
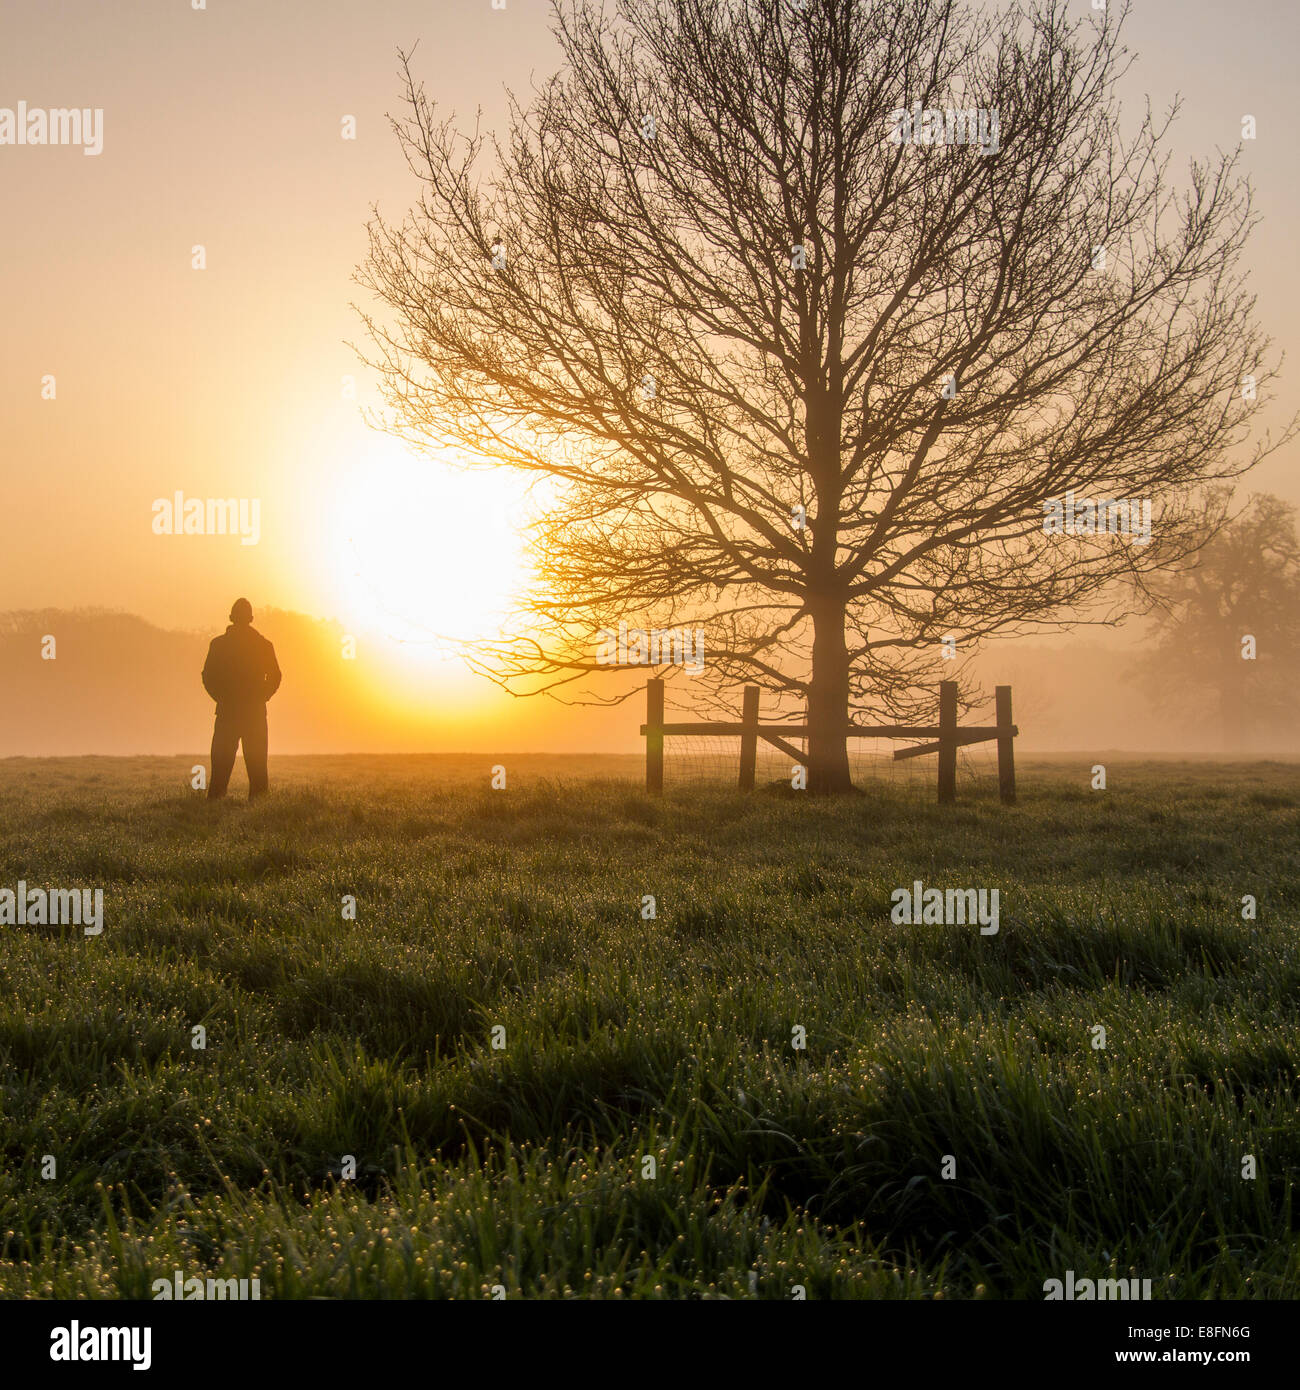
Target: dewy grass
645	1126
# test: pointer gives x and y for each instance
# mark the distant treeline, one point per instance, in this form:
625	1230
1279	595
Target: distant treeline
120	685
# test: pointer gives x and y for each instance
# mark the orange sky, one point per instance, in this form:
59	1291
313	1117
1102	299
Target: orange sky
222	128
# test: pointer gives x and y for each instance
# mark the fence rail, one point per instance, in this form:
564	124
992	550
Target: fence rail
947	736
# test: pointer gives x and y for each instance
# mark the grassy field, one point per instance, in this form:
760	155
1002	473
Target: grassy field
627	1039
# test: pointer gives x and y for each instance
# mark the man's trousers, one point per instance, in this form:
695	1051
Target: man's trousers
233	727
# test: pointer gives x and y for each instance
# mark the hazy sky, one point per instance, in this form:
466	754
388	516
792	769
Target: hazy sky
222	128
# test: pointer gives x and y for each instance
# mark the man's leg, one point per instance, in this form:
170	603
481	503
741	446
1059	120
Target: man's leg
255	745
225	740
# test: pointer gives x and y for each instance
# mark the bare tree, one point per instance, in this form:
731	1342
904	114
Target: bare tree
804	364
1225	642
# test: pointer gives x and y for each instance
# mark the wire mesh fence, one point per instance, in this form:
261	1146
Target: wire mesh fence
702	759
683	750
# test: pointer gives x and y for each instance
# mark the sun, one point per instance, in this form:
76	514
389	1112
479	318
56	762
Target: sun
430	551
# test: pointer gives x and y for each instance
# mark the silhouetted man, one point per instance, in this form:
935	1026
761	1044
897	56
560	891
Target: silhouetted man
241	675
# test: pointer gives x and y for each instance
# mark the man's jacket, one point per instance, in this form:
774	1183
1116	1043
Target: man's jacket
241	671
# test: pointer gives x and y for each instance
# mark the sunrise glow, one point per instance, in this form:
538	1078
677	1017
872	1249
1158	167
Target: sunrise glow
426	552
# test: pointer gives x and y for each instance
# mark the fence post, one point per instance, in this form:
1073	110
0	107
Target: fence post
654	735
749	739
1006	746
947	741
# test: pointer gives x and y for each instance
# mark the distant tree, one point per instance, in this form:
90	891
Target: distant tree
803	368
1239	594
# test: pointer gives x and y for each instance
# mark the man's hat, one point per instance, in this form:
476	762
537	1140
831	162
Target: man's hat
242	612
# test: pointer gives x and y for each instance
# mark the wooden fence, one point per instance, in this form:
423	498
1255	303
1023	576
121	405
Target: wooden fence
947	737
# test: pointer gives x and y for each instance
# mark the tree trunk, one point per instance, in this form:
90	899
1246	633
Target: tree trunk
828	702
